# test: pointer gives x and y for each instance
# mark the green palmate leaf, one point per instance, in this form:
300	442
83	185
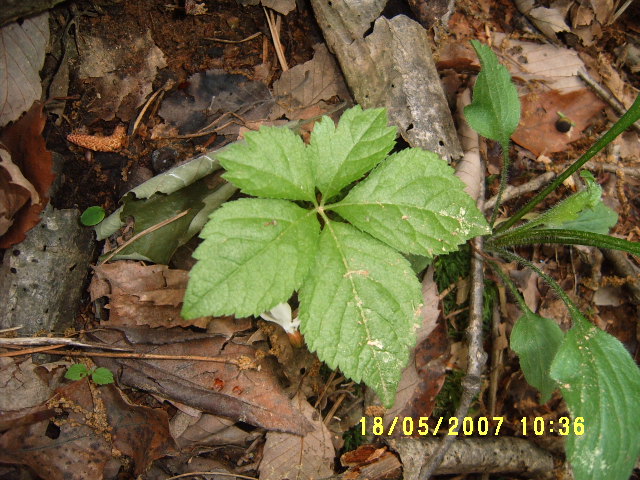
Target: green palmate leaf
76	371
359	307
272	162
495	110
414	203
344	154
601	383
536	341
255	253
102	376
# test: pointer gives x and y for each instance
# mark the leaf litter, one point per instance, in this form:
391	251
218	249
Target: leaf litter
134	307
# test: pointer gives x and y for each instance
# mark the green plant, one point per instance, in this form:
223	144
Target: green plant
339	245
99	375
92	216
596	375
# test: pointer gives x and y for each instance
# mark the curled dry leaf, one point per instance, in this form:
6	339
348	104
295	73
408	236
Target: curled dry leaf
25	176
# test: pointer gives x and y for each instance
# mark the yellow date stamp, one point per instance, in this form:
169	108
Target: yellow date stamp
469	426
409	426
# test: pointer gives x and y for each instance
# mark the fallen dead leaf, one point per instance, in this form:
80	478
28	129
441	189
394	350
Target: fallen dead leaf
305	85
143	294
28	155
302	458
106	67
537	131
23	46
250	395
78	438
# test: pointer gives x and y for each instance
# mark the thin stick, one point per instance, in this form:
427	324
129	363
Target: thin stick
222	474
606	96
514	192
144	109
12	329
150	356
275	37
222	40
29	351
477	357
146	231
69	342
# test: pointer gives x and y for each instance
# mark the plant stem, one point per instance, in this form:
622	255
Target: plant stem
573	310
506	161
620	126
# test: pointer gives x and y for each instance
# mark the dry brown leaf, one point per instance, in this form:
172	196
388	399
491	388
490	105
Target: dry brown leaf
93	423
251	395
107	68
143	294
556	67
299	458
25	384
23	46
281	6
206	430
307	84
30	167
537	131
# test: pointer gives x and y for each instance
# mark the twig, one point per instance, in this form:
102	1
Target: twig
513	192
496	360
222	40
606	96
154	356
610	167
626	268
222	474
275	37
146	231
69	342
133	129
477	357
12	329
491	454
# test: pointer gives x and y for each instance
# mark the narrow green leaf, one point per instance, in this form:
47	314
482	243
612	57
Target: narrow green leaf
102	376
601	383
272	162
76	371
536	341
359	307
414	202
495	110
598	219
570	208
565	237
344	154
255	253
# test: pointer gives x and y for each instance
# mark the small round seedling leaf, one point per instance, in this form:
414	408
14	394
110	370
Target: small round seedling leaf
92	216
102	376
76	371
